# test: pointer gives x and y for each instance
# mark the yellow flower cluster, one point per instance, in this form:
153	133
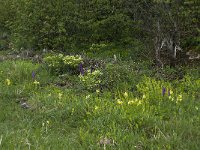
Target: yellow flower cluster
36	82
120	102
8	82
125	94
47	123
130	102
179	98
96	107
60	96
135	102
72	60
126	98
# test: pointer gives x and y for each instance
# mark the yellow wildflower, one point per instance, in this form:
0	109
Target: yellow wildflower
87	97
139	102
8	82
73	111
171	92
125	94
96	107
179	98
136	101
36	82
119	102
60	96
131	102
171	98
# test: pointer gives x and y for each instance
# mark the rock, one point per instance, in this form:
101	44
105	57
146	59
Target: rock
25	105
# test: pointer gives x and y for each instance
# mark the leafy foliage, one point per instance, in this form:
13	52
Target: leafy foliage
91	79
60	64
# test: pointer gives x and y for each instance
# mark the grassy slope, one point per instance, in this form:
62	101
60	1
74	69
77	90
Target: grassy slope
67	118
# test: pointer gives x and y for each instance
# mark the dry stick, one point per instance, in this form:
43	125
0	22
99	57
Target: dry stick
157	45
1	139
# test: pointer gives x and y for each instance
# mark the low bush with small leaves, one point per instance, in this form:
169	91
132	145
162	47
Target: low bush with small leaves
60	64
91	80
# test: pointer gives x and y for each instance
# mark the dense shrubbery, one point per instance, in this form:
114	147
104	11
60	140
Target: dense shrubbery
66	25
60	64
63	24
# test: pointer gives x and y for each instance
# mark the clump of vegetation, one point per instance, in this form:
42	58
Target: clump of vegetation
55	62
60	64
91	79
72	61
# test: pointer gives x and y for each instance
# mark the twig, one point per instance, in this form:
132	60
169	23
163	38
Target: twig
1	139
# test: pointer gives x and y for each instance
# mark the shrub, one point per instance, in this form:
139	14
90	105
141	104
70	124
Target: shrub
91	80
60	64
54	63
72	61
121	75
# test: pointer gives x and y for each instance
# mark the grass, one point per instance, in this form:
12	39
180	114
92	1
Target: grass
71	117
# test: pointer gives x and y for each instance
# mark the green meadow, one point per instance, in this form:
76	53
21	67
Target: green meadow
128	105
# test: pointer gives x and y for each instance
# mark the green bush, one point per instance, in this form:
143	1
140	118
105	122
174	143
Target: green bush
95	48
123	75
64	24
60	64
91	80
72	61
